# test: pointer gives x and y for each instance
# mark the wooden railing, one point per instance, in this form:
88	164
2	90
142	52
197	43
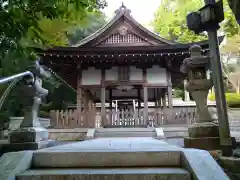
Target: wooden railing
123	118
71	119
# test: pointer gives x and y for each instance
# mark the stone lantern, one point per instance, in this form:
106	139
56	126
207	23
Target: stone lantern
31	135
204	133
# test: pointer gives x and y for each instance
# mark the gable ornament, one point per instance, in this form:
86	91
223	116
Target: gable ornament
123	30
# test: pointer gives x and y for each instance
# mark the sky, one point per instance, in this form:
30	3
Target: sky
141	10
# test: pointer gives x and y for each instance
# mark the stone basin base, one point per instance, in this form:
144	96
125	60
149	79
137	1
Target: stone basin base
207	143
199	130
12	147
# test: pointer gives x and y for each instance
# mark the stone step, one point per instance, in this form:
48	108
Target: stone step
235	128
110	174
170	134
100	158
125	130
109	152
125	134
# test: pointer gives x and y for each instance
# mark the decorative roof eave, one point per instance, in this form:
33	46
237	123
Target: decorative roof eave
123	12
116	50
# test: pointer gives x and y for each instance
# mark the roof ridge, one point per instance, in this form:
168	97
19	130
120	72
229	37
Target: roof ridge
123	11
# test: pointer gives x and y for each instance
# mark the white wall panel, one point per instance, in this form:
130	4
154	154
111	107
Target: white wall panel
136	74
156	75
111	74
91	76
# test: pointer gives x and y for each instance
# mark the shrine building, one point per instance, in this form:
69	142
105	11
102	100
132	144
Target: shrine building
124	67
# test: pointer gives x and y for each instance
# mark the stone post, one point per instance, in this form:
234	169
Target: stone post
31	135
204	133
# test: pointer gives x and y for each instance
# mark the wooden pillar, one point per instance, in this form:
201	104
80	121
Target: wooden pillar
159	98
94	125
145	110
164	100
110	106
164	121
158	108
103	108
92	114
170	99
85	109
90	118
103	99
155	97
110	99
79	96
139	99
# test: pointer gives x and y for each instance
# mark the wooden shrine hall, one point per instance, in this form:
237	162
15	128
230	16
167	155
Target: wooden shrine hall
123	67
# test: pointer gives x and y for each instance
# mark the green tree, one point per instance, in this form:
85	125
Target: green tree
26	25
95	21
235	6
21	17
232	46
170	20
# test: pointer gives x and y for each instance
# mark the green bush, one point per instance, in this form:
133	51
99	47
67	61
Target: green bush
211	97
4	121
178	93
233	99
43	114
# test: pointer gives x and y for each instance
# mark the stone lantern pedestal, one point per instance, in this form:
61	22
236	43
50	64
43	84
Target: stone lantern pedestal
31	135
204	133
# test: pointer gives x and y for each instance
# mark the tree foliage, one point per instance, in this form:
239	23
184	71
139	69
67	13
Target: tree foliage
170	20
80	32
232	46
235	6
22	18
29	24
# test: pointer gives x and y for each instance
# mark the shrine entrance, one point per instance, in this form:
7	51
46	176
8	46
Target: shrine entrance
125	105
125	113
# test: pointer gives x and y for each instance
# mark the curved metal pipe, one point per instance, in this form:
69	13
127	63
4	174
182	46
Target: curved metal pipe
16	76
7	91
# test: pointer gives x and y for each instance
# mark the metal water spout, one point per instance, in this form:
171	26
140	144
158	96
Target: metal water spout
15	79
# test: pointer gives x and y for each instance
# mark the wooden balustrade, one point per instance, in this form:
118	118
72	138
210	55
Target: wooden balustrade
70	119
123	118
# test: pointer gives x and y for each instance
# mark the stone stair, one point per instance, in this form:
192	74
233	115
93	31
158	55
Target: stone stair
175	131
111	159
108	174
108	158
125	132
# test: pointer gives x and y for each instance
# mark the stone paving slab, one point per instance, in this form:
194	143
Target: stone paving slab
114	144
144	170
107	152
110	174
14	163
